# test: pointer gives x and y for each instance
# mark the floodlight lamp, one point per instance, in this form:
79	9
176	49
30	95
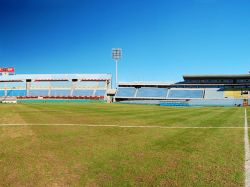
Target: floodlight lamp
116	53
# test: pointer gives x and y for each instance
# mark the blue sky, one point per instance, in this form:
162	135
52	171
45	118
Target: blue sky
161	39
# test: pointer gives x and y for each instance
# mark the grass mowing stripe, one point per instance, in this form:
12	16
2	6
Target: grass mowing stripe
122	126
247	153
104	114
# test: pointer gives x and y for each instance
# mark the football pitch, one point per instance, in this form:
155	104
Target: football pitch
94	144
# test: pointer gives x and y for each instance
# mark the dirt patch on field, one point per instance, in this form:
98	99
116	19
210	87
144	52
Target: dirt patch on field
11	118
16	132
36	166
52	171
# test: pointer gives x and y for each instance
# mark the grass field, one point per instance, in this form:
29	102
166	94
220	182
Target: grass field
37	155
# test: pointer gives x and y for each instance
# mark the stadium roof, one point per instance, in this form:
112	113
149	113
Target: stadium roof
213	76
145	83
44	77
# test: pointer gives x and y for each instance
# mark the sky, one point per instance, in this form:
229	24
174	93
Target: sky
161	39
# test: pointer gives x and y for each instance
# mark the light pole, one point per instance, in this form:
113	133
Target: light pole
116	55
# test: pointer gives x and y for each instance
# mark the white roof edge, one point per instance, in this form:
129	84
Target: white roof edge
55	76
61	74
146	83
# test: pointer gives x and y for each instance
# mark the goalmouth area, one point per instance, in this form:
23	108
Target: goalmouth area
98	144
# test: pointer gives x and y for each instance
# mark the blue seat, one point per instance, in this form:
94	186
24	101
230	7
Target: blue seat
60	92
37	93
214	93
126	92
2	93
152	92
100	92
16	93
83	92
185	93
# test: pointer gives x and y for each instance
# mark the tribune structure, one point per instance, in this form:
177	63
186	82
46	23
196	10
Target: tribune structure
78	86
194	90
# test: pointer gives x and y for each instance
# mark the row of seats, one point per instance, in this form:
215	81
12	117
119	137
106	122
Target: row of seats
186	94
44	93
152	92
214	93
147	92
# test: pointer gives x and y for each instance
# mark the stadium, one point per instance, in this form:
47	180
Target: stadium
53	86
86	98
194	90
140	134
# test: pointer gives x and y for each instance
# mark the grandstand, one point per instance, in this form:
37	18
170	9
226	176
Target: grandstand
56	86
194	90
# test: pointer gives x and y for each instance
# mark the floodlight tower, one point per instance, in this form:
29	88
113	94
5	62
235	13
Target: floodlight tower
116	55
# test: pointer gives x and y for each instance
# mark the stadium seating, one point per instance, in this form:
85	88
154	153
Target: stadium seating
214	93
83	92
16	93
100	92
56	86
37	85
126	92
152	92
89	84
185	93
37	93
13	85
2	85
60	93
2	93
60	84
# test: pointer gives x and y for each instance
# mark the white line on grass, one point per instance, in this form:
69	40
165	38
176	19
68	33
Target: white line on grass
122	126
247	153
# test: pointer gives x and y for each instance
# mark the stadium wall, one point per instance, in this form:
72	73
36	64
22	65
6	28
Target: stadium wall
189	103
